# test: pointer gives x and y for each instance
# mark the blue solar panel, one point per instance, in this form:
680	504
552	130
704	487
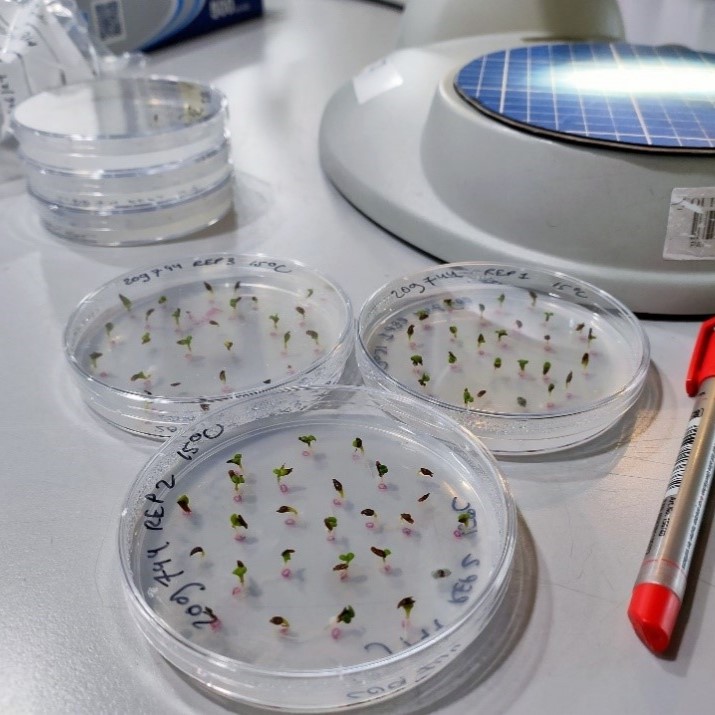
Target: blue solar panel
634	96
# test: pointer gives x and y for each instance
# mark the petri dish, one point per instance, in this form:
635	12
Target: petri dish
158	347
120	123
137	225
130	188
529	360
316	548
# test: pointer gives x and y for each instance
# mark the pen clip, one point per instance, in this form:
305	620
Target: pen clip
702	362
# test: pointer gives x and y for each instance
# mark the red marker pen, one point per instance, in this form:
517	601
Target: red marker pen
660	586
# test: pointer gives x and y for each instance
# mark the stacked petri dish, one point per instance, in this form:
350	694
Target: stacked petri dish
126	161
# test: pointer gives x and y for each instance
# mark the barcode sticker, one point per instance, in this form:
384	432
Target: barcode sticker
690	235
108	17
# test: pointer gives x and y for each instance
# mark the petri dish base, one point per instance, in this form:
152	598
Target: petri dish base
530	360
138	225
318	547
156	348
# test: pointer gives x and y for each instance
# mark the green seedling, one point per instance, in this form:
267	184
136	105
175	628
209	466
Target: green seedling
236	478
451	358
338	488
346	615
521	401
240	571
344	564
547	315
147	315
176	315
185	342
233	302
441	573
522	364
331	523
407	604
228	345
416	359
453	330
425	472
274	319
381	553
357	445
108	327
480	340
313	335
139	376
501	299
382	469
281	622
183	502
237	459
162	300
208	287
533	297
93	357
545	369
300	310
146	338
237	521
424	379
286	339
287	554
410	331
424	497
287	510
422	315
307	439
282	471
197	550
467	397
497	363
222	376
501	333
125	302
585	360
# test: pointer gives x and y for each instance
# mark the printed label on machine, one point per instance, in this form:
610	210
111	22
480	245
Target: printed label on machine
690	235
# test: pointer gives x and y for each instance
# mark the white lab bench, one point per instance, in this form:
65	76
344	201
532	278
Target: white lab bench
68	644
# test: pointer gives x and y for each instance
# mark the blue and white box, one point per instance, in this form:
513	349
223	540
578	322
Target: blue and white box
128	25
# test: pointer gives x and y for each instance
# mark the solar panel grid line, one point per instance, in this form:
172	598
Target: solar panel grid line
644	128
534	87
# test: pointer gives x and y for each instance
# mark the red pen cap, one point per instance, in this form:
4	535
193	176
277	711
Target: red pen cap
702	362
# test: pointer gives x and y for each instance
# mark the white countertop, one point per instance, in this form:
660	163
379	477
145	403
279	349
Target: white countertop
68	643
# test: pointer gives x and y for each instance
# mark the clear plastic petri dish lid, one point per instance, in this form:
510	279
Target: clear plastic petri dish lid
120	123
159	347
317	548
130	188
140	224
529	360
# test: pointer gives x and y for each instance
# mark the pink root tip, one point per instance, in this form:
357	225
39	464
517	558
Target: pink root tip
337	502
216	625
306	453
237	498
382	485
283	488
407	531
458	533
236	591
370	525
335	633
290	521
239	537
331	536
343	575
286	573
